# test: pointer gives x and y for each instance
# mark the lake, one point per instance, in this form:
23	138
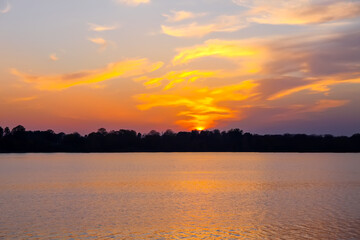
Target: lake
180	196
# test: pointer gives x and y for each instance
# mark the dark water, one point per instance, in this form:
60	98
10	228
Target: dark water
180	196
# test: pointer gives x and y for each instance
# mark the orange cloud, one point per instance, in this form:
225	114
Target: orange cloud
127	68
24	99
175	77
133	3
202	105
221	24
101	28
178	16
301	111
53	57
99	41
262	58
218	48
296	61
297	12
325	104
316	86
6	9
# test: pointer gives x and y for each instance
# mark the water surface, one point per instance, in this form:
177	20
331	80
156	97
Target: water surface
180	196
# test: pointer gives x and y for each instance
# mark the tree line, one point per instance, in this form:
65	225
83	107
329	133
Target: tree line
19	140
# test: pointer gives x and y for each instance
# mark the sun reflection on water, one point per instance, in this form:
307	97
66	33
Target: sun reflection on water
177	196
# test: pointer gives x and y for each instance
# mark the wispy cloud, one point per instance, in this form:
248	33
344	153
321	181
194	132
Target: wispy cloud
303	111
101	28
133	3
219	48
53	57
325	104
194	29
259	71
6	8
99	41
297	12
122	69
175	77
202	107
315	86
24	99
178	16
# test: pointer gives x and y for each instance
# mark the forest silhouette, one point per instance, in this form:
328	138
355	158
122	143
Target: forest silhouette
18	140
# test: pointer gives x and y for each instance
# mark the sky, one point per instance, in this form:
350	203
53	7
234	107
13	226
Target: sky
264	66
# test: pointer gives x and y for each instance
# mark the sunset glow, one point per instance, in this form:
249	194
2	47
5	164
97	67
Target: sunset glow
262	66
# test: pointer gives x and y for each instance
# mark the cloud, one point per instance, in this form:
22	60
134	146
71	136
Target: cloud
325	104
53	57
175	77
178	16
201	107
99	41
24	99
221	24
6	8
303	111
133	3
315	62
317	65
101	28
218	48
123	69
298	12
315	86
275	68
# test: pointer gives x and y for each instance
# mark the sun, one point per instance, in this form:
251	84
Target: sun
200	128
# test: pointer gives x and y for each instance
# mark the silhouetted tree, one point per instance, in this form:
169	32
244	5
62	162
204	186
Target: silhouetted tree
73	142
18	129
169	133
102	131
7	131
20	140
151	141
169	140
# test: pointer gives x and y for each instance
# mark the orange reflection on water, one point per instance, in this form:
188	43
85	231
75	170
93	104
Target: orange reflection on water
180	195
